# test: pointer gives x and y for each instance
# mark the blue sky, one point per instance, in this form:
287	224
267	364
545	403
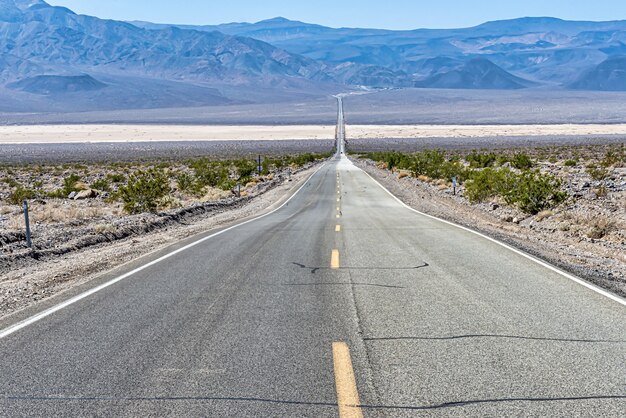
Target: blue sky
392	14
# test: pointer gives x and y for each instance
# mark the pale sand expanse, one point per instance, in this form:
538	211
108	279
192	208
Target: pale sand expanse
42	134
478	131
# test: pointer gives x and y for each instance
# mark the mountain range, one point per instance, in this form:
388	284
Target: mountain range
547	51
54	59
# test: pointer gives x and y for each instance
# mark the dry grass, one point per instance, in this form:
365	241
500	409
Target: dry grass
213	194
403	174
7	209
104	228
170	202
541	216
598	227
424	179
61	212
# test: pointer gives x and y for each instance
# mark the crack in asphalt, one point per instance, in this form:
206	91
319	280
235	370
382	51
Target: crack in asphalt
443	405
316	269
517	337
345	284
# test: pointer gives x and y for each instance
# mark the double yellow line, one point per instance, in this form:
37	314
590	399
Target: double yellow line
345	381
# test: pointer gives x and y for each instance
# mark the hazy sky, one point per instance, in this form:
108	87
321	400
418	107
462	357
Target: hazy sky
392	14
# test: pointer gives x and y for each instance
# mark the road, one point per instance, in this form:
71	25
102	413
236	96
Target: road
343	302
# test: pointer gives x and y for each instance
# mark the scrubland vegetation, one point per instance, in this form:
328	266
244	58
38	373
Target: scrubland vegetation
515	178
75	191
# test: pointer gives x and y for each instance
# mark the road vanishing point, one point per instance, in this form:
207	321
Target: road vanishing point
338	301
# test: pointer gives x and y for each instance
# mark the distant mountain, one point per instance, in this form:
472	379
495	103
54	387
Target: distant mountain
52	84
547	50
478	73
54	59
38	40
55	36
608	76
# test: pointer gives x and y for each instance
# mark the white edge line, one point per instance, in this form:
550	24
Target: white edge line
38	317
580	281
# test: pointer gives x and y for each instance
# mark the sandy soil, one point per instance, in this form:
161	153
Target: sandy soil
47	134
480	131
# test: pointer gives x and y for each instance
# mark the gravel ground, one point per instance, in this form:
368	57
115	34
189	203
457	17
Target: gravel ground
124	152
600	261
419	144
27	280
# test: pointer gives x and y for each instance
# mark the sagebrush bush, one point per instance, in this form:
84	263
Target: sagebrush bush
597	173
188	184
531	191
116	178
485	184
479	160
535	192
69	184
522	162
144	191
432	163
21	193
101	184
210	173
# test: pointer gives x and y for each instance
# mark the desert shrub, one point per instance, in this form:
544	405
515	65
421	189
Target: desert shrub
392	160
611	158
116	178
11	182
210	173
571	163
599	227
228	184
535	192
144	191
531	191
245	168
188	184
484	184
478	160
597	173
21	193
432	163
522	162
69	184
101	184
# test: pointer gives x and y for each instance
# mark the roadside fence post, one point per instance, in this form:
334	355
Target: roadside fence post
29	242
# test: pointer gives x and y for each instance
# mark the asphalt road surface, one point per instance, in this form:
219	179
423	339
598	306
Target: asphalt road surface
342	302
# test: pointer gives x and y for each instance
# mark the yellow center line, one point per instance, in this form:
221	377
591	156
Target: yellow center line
338	228
345	382
334	260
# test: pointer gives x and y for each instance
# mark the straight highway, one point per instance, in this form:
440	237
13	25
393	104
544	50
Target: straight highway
342	302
